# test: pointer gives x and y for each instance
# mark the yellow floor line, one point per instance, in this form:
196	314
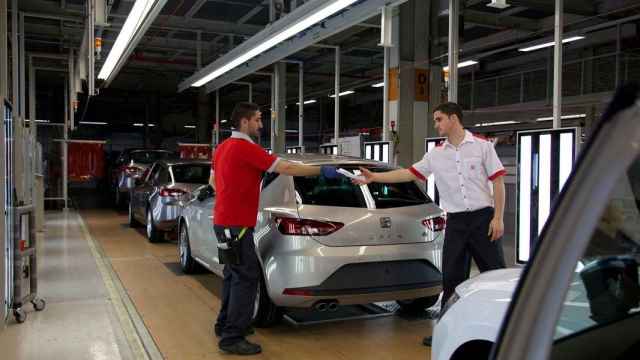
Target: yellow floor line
137	335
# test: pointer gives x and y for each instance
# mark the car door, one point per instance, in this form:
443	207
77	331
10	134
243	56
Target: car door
137	201
579	296
204	240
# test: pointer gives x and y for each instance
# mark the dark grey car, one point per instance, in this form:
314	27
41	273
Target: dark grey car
155	200
130	167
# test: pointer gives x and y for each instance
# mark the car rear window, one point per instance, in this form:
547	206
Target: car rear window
149	157
342	192
191	173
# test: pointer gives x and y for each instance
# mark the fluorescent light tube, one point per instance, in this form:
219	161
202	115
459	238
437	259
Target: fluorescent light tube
551	43
93	123
294	29
348	92
223	121
308	102
139	11
497	123
462	64
573	116
138	124
189	126
378	85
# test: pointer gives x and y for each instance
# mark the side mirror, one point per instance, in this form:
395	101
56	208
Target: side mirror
612	287
205	193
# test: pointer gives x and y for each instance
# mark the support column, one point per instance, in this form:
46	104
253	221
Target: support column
300	103
278	124
336	91
3	93
410	91
217	121
65	147
454	46
204	114
557	66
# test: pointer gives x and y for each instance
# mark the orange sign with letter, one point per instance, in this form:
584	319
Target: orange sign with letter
422	85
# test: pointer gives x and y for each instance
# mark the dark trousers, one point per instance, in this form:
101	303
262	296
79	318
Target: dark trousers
239	288
466	237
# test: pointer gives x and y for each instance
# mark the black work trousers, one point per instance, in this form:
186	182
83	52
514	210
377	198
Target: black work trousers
466	237
239	288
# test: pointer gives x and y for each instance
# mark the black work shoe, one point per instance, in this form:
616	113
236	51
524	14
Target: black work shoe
218	331
242	347
427	341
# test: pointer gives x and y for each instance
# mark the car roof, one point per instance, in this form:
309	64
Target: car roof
171	162
323	159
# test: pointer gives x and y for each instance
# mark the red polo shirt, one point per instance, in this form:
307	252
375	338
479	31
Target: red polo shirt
238	166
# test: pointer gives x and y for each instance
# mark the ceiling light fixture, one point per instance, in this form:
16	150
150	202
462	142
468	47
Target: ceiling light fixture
572	116
138	124
378	85
348	92
497	123
308	102
311	19
189	126
498	4
140	17
93	123
551	43
223	121
462	64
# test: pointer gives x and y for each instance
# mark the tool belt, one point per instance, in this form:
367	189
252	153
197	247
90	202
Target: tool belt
229	246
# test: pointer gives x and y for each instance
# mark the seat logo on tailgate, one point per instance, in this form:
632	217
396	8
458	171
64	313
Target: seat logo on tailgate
385	222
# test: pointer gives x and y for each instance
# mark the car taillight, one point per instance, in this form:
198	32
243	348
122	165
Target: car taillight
435	224
306	227
172	192
133	170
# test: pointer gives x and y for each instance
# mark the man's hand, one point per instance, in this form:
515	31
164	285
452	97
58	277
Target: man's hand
368	177
496	229
329	172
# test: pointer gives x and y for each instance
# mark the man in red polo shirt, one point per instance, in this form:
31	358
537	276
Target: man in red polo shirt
237	172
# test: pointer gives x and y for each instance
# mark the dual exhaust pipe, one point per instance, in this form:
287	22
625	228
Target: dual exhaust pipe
326	305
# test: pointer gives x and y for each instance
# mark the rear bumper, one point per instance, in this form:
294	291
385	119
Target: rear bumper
310	272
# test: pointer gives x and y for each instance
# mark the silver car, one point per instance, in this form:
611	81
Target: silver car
324	243
130	167
155	202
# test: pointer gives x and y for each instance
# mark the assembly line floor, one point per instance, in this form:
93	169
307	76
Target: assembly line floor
113	295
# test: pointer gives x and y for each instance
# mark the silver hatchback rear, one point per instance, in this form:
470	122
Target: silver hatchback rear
323	243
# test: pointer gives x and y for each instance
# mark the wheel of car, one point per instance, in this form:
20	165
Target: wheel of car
152	233
118	198
265	312
187	263
419	304
132	220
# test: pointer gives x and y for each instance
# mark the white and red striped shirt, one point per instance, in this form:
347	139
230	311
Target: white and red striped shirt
462	174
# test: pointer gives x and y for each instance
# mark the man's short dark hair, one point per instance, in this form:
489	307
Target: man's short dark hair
243	110
450	108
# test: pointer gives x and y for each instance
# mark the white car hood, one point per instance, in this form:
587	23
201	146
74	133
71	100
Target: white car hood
496	285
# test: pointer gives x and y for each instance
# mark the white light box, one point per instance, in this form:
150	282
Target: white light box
545	160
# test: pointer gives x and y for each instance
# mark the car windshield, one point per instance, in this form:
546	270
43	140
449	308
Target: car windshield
149	157
191	173
604	297
314	190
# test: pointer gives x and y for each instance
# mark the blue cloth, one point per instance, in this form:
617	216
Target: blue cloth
329	172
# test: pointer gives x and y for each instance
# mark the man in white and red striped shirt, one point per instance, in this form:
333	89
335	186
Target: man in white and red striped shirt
470	180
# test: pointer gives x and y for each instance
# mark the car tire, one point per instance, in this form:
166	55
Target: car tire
266	313
187	263
132	219
417	305
153	234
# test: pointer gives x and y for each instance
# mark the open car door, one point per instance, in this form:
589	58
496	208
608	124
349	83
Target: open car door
579	296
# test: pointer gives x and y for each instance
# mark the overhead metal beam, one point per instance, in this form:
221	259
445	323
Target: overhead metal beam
454	47
195	8
357	13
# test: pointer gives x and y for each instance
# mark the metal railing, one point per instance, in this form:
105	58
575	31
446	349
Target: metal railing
584	76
